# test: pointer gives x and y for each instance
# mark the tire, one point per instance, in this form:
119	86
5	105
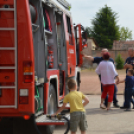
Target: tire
52	108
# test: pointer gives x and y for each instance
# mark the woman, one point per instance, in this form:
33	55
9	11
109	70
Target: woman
108	74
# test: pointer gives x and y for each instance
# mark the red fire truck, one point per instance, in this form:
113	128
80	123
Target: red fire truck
39	51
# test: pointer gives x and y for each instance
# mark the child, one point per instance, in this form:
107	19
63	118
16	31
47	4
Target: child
129	88
77	111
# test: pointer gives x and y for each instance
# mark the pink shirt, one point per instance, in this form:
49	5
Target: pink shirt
107	71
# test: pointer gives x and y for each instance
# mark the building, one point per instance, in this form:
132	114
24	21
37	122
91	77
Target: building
122	45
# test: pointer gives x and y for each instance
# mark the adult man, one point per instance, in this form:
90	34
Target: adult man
129	64
98	60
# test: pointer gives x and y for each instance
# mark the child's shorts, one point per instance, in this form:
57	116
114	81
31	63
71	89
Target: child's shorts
78	119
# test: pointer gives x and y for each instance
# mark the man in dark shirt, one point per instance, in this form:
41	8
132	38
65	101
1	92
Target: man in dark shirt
129	64
98	60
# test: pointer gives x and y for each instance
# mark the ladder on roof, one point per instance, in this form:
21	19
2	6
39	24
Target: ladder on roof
14	9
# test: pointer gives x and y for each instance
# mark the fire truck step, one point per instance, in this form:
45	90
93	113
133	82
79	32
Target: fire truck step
43	120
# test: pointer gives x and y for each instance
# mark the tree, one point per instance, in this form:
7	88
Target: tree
88	32
125	33
119	62
104	27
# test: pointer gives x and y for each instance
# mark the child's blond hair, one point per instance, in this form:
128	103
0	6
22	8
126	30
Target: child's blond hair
71	83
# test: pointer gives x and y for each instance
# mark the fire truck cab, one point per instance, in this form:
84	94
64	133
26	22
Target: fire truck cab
40	49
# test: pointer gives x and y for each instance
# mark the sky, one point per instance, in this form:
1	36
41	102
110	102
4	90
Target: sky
83	11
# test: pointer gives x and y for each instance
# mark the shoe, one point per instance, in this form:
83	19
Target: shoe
116	105
109	109
128	109
122	107
102	106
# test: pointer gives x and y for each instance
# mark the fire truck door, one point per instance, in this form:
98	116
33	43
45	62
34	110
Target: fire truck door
71	53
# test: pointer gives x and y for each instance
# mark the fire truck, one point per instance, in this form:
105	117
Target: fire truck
39	51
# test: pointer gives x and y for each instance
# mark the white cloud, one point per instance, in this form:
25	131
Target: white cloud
83	11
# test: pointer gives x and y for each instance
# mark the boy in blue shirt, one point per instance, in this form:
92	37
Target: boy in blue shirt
129	88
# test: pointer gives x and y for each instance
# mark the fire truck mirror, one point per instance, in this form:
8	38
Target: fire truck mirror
84	35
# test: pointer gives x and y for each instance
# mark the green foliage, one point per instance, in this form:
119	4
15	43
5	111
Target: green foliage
88	32
105	29
69	8
125	33
119	62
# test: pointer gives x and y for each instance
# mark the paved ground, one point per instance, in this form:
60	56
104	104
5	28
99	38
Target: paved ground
90	83
102	122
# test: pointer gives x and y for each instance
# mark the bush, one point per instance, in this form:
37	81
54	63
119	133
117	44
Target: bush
119	62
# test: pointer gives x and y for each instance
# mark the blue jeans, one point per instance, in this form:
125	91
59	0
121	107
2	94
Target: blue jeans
126	97
114	97
129	94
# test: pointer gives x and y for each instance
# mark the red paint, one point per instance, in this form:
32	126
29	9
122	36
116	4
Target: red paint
25	106
71	52
50	123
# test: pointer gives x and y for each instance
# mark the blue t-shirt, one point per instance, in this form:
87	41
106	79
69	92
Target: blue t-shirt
97	60
129	81
129	60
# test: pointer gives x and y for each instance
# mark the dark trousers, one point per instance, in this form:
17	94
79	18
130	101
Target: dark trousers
114	97
129	93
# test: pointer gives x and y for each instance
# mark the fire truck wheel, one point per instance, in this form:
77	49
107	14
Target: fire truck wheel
52	107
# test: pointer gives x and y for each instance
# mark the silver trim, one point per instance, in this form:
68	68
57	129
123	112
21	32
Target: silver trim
7	48
28	73
8	106
7	87
6	9
48	32
15	38
4	67
15	55
7	29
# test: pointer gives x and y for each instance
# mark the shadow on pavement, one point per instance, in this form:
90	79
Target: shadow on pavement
94	111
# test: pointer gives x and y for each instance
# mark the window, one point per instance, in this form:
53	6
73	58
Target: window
69	30
69	25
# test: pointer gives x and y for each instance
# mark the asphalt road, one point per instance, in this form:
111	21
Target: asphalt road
100	121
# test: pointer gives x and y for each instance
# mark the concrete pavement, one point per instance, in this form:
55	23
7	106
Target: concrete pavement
100	121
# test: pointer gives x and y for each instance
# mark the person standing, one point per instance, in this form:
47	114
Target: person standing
129	88
97	60
107	71
77	111
129	64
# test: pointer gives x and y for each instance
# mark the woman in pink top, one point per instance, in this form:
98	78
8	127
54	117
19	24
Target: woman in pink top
108	74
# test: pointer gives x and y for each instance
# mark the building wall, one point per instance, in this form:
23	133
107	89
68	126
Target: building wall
122	45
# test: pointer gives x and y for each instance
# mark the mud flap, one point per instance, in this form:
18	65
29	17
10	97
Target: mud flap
18	126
